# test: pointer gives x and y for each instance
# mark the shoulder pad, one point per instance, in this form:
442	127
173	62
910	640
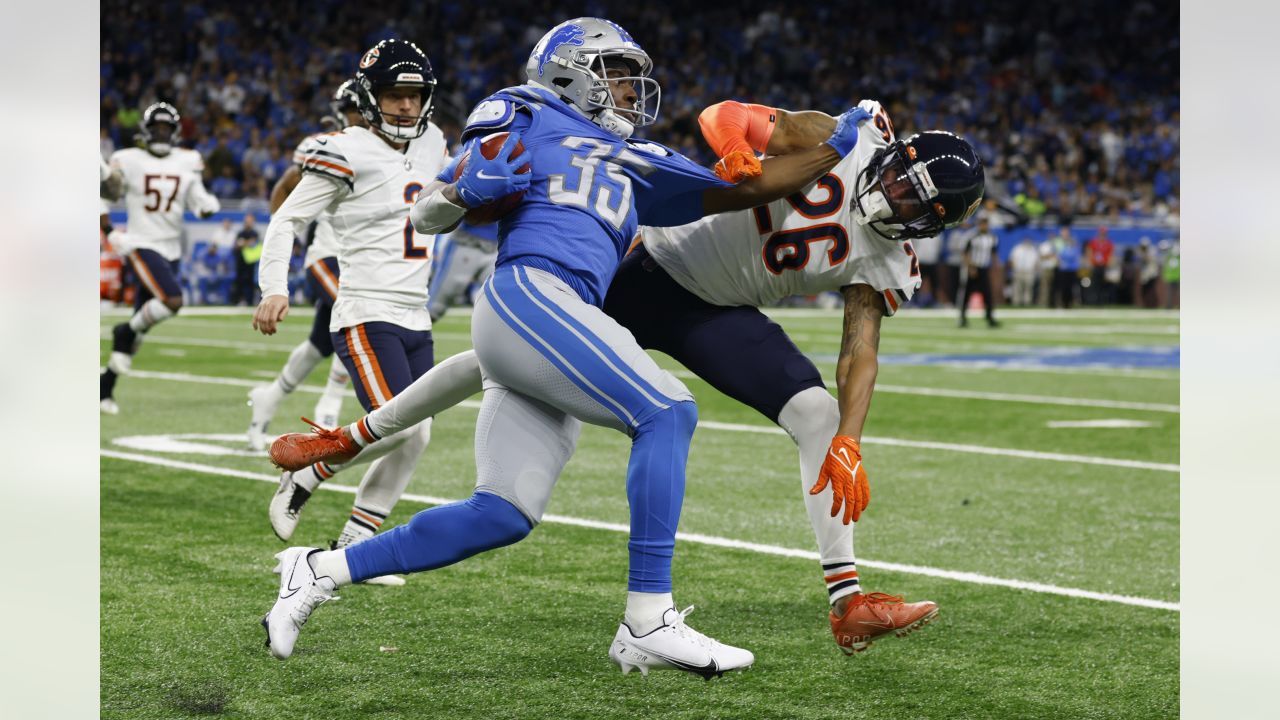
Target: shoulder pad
490	115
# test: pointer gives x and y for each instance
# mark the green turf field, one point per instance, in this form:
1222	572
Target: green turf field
1052	551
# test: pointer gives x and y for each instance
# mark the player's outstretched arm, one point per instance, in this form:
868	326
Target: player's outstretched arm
856	370
786	174
309	198
738	131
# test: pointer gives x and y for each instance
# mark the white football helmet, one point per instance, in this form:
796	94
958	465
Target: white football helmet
570	61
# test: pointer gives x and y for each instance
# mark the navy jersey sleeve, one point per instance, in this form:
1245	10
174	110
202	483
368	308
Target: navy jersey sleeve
671	193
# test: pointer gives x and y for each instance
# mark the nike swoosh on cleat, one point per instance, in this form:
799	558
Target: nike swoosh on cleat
289	584
705	671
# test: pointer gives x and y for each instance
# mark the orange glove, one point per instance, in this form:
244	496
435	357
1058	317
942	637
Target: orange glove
738	166
843	470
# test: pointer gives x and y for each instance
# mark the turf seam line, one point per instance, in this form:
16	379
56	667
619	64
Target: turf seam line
974	578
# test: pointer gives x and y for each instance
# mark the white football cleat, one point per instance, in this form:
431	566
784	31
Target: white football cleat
348	539
301	592
676	646
286	506
264	400
108	407
327	411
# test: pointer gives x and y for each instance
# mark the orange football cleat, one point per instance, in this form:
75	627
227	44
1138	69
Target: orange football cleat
294	451
871	616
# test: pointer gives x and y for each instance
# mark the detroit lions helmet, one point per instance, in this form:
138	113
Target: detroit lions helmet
571	61
158	141
918	187
388	64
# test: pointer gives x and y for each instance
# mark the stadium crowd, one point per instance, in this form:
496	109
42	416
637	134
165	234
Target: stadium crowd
1076	122
1073	106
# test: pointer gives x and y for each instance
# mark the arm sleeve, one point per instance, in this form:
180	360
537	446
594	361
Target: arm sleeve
312	195
732	126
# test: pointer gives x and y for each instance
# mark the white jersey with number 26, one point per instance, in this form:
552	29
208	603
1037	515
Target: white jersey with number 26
803	244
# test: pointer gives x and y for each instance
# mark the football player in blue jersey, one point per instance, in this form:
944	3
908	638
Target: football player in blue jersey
549	355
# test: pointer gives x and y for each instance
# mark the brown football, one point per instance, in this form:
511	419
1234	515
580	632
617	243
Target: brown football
495	210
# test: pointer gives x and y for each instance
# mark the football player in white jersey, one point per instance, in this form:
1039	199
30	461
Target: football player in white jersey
321	262
161	180
367	178
693	291
464	259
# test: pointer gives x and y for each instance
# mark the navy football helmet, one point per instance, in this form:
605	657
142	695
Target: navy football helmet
159	139
394	63
918	187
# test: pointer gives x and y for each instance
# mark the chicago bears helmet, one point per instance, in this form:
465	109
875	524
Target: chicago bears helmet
920	186
393	63
345	100
571	61
152	130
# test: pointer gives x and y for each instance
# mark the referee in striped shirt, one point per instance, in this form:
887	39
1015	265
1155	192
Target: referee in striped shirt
979	254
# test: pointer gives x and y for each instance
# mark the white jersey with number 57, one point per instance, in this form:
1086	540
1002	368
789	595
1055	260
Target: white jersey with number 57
157	190
803	244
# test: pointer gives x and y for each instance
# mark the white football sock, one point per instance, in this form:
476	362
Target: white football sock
644	610
336	386
301	362
384	483
152	312
333	564
812	418
451	381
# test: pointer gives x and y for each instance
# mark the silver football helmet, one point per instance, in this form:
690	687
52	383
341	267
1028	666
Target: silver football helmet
571	61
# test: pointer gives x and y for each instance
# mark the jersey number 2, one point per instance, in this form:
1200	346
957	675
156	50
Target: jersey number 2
411	251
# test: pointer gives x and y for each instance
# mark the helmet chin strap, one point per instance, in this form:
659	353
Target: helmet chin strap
611	123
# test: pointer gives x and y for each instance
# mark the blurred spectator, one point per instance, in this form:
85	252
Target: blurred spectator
1099	250
225	185
1024	263
1173	277
248	250
1066	278
1148	274
207	272
225	235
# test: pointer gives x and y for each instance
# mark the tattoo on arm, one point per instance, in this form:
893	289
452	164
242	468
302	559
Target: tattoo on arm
862	312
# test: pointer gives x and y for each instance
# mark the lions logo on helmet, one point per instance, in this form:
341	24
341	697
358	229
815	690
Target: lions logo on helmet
158	141
573	60
394	63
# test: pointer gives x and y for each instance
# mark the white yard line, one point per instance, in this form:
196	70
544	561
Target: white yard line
282	346
967	577
763	429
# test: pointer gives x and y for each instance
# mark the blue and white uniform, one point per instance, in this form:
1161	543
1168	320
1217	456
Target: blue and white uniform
551	357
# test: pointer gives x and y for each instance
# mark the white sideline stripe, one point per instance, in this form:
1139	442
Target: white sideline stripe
712	540
283	346
737	427
1103	423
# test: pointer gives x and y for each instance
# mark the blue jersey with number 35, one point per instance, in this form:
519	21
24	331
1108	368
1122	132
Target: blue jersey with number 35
589	192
